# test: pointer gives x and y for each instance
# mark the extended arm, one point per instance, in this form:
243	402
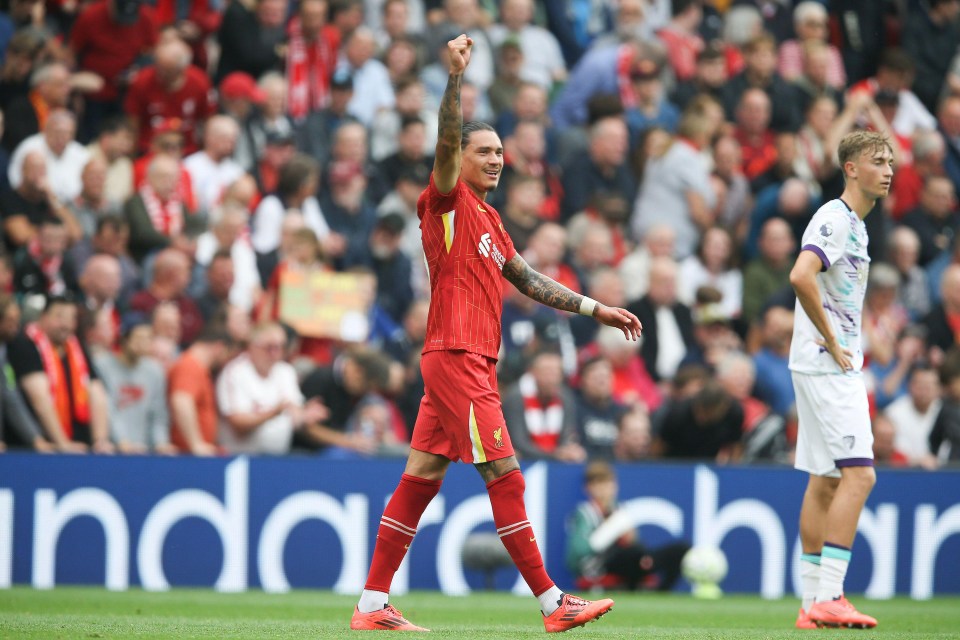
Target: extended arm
548	291
446	162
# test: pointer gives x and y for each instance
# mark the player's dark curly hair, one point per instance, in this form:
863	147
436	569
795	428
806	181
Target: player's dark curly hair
469	128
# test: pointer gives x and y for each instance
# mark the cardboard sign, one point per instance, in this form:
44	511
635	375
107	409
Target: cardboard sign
324	304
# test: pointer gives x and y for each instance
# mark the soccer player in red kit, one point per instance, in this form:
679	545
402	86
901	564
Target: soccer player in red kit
460	416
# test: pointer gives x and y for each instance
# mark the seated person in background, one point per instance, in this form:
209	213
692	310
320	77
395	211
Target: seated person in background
171	275
137	390
341	387
191	396
18	427
633	438
914	413
259	398
770	271
541	413
157	215
603	542
945	435
41	268
597	412
885	451
59	382
707	426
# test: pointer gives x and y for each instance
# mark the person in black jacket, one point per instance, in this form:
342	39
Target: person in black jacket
943	318
251	40
667	323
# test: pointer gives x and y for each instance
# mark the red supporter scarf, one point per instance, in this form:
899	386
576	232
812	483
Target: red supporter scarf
544	420
166	218
79	378
49	266
308	85
624	63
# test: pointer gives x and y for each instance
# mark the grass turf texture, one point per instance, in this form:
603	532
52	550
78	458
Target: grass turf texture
81	613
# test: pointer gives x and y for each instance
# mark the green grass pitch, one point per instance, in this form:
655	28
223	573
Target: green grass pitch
183	614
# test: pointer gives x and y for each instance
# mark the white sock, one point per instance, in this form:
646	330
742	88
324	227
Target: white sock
809	579
833	569
371	601
550	600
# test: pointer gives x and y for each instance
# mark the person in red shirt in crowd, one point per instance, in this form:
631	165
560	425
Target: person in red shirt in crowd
757	141
169	88
109	38
194	21
682	39
929	151
311	59
545	252
171	275
461	418
167	141
524	154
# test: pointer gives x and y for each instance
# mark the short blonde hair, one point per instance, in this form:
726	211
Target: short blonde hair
856	143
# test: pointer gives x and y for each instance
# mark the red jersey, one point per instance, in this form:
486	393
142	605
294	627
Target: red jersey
465	247
151	104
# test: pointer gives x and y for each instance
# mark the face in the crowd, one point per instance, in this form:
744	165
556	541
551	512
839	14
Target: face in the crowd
59	132
924	387
271	13
547	371
59	322
482	161
139	341
597	381
313	15
395	18
52	239
10	323
267	348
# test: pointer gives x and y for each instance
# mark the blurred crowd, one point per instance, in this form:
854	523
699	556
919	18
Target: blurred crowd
167	166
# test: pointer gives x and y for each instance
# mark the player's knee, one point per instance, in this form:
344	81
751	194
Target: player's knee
861	479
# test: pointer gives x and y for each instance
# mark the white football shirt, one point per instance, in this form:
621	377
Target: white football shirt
839	238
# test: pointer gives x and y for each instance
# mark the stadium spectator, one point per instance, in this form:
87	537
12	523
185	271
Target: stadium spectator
754	134
525	153
651	108
945	435
768	273
213	169
372	90
41	268
531	103
137	391
883	317
27	206
410	141
527	329
110	239
111	38
944	318
713	330
503	92
18	426
914	413
170	88
59	381
759	72
545	252
349	212
811	24
714	264
100	287
790	201
171	275
914	291
682	38
351	146
250	36
91	203
707	426
227	234
948	120
542	60
592	255
774	385
64	156
894	76
814	80
930	38
733	210
167	141
632	384
885	451
311	59
157	215
315	133
267	125
676	189
634	437
763	431
604	547
403	58
890	371
521	210
928	151
220	281
541	413
658	242
935	220
668	325
709	77
597	412
259	399
191	396
26	113
788	163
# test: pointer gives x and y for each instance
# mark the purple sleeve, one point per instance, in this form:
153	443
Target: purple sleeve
820	254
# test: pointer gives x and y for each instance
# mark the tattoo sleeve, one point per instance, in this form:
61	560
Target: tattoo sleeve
450	121
541	288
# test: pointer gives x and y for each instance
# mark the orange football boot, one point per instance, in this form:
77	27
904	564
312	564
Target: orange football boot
575	612
386	619
804	621
839	613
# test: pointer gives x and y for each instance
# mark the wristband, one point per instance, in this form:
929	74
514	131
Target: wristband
587	306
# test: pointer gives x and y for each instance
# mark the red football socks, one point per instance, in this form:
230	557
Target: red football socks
398	525
510	517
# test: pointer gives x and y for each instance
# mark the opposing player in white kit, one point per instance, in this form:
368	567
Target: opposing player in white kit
835	441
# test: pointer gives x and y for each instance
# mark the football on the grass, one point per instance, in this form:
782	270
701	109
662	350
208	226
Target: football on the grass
704	566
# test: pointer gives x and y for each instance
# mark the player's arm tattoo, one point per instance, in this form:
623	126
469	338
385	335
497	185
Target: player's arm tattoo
541	288
450	120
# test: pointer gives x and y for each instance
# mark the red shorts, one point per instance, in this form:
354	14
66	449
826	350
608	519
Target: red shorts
461	417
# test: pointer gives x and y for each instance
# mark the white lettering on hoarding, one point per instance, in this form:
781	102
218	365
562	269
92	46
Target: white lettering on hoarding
229	518
50	516
349	521
6	538
879	530
929	532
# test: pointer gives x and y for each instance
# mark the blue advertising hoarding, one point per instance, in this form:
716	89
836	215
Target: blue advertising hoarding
283	523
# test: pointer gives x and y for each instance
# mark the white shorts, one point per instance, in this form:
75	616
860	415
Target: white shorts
835	429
